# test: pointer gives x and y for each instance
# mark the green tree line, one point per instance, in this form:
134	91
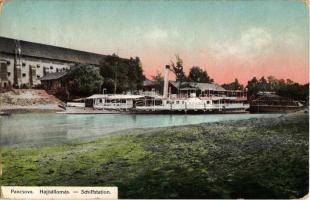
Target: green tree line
114	75
285	88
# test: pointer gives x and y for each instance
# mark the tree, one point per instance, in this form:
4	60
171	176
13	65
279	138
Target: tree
135	74
121	75
177	69
233	86
252	86
158	82
86	80
196	74
262	84
108	71
273	83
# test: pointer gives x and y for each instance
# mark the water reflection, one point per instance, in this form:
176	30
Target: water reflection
50	128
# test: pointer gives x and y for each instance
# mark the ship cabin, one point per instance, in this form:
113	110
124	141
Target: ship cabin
112	102
204	91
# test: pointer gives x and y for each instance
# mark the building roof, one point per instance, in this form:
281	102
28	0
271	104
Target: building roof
200	86
96	96
268	94
8	46
53	76
115	96
148	82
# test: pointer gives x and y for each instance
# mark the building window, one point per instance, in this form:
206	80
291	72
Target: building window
57	70
38	66
9	73
38	76
8	62
51	67
24	75
23	64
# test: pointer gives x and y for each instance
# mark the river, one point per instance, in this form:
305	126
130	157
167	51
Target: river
52	128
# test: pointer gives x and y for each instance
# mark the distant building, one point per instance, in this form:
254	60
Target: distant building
53	82
149	88
148	84
23	63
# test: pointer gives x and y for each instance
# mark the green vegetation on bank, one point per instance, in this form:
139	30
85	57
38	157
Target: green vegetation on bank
257	158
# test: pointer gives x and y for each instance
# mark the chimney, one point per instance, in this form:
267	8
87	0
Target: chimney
166	81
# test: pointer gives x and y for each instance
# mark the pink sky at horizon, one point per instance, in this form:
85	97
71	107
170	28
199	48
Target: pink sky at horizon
281	66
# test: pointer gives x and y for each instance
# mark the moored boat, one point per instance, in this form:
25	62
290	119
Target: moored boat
194	98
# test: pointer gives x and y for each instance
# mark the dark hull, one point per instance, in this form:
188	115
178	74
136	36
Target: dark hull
189	111
273	109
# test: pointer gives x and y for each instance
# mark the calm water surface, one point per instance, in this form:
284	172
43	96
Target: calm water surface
52	128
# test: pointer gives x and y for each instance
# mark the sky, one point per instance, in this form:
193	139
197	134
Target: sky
228	38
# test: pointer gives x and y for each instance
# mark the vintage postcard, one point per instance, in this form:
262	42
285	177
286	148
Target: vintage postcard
154	99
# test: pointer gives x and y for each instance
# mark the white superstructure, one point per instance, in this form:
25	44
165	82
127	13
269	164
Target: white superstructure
213	98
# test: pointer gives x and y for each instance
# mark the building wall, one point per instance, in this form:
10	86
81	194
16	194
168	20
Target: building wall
34	66
3	74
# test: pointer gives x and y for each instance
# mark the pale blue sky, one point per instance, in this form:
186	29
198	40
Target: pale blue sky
161	28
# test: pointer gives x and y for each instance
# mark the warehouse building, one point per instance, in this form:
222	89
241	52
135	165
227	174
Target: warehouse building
23	63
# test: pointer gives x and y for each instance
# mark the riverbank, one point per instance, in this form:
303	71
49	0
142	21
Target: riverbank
28	101
255	158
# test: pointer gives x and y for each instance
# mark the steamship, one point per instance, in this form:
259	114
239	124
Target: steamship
188	97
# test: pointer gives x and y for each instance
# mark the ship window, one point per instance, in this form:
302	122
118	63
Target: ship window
51	67
24	75
8	62
208	102
177	102
38	76
100	100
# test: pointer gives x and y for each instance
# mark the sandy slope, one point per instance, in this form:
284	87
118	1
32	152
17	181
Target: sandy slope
28	99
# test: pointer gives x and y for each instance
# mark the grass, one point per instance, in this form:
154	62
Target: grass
248	159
